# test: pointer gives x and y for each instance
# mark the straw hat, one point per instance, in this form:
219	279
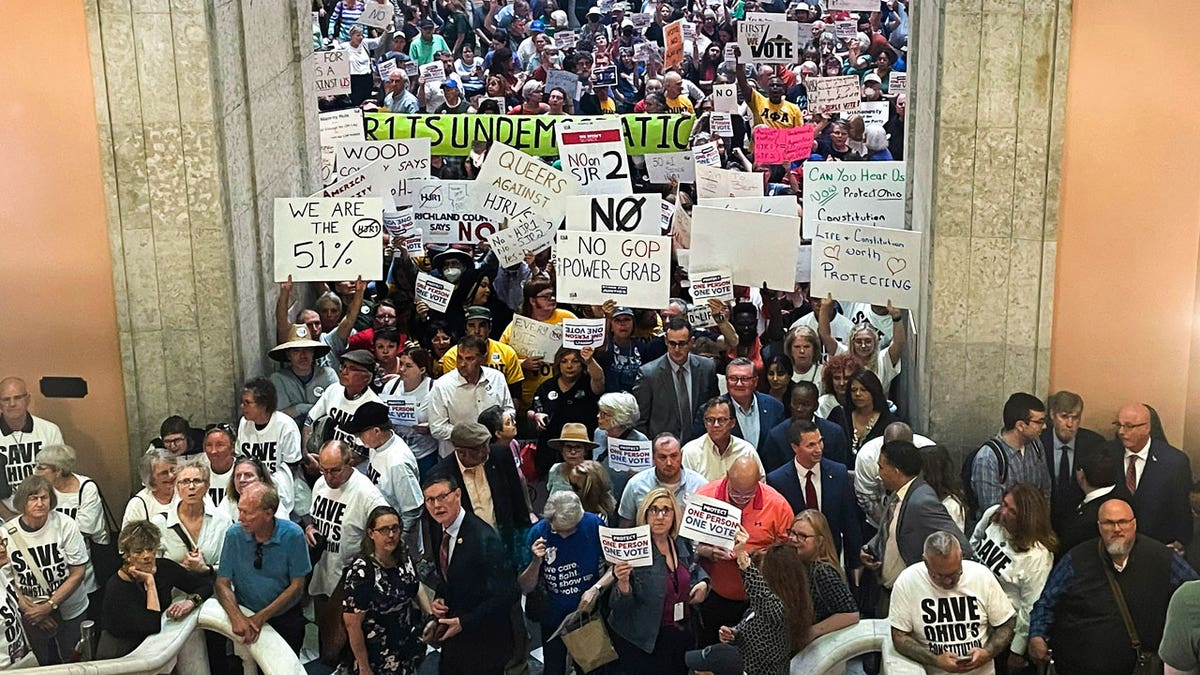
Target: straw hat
572	432
299	337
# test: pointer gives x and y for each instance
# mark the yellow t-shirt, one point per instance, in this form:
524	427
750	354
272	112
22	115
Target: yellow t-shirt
532	382
500	356
608	106
782	116
680	105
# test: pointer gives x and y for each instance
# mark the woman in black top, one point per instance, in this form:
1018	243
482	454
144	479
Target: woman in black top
863	412
135	596
572	395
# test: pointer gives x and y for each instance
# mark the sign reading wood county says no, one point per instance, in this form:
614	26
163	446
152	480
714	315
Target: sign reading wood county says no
858	263
594	267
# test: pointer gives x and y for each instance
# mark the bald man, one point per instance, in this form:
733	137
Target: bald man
868	487
22	434
1075	620
1153	477
766	516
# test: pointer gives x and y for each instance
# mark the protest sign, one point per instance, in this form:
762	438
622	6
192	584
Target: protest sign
804	264
689	31
833	94
643	51
769	42
714	182
377	14
700	316
604	76
897	82
629	455
852	5
661	168
673	41
707	154
399	222
511	244
514	186
630	214
593	153
580	333
859	263
874	112
433	291
681	229
386	68
319	239
414	242
642	20
562	79
629	544
710	521
432	73
870	193
411	68
711	284
737	244
727	55
844	30
455	135
337	126
666	210
443	209
595	266
399	160
725	98
782	146
721	124
366	182
534	338
780	206
402	410
332	71
566	39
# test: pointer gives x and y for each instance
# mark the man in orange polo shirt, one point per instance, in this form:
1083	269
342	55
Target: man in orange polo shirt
766	516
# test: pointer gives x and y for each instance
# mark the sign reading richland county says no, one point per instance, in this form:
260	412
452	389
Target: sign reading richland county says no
859	263
866	193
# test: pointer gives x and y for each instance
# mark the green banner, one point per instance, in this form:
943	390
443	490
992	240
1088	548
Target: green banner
534	134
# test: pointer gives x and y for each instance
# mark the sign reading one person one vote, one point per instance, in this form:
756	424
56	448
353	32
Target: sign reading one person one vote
400	160
714	284
842	93
721	124
631	545
629	455
580	333
633	270
866	193
593	153
402	410
710	521
707	154
897	82
444	210
332	71
514	186
629	214
433	291
319	239
859	263
534	338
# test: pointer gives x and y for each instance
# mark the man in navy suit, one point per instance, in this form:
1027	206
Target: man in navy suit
813	482
1063	441
670	388
775	450
1154	479
754	413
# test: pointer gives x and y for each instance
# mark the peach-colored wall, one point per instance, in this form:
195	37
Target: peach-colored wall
1125	310
57	308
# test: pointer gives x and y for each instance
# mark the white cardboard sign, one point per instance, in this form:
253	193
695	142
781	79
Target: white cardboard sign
631	269
593	153
712	182
715	284
661	167
377	14
710	521
433	291
511	244
319	239
580	333
337	126
332	72
737	244
515	186
629	214
534	338
841	93
399	159
874	112
865	193
859	263
361	183
631	545
629	455
444	210
725	98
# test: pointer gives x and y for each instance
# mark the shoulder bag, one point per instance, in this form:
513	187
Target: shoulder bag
1148	662
14	535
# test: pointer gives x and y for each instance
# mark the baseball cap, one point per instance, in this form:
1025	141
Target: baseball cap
872	77
537	26
478	312
370	414
425	23
360	357
450	84
596	11
622	311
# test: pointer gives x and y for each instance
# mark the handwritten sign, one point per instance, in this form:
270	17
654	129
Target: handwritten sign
633	270
511	244
402	410
433	291
604	76
534	338
874	112
725	98
593	153
710	521
444	210
737	244
561	79
336	127
377	14
865	193
782	146
897	82
332	71
715	284
780	206
700	316
852	5
707	154
714	182
399	160
365	182
845	30
833	94
858	263
580	333
629	455
631	545
631	214
661	167
328	239
721	124
522	189
673	39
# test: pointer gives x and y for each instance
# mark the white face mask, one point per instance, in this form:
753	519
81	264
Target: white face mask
452	274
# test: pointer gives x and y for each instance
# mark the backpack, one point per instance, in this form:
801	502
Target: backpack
969	464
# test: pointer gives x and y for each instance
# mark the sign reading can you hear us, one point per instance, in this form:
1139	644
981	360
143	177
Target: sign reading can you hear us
328	239
859	263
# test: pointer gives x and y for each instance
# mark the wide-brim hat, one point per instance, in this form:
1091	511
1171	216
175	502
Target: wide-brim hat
572	432
299	337
452	253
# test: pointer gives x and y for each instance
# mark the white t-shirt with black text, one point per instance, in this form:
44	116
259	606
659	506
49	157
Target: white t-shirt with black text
341	516
1022	574
53	549
335	404
85	508
19	447
14	645
277	443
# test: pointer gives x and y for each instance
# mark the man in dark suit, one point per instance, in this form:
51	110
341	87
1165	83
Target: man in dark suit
911	513
670	388
754	413
776	450
1063	440
1156	481
1095	475
475	587
814	482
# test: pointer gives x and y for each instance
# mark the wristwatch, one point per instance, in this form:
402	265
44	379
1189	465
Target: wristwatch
53	605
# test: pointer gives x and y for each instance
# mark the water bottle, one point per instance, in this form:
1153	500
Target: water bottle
87	640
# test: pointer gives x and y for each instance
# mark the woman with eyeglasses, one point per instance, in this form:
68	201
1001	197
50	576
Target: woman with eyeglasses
540	304
864	343
137	595
193	534
157	471
381	609
652	606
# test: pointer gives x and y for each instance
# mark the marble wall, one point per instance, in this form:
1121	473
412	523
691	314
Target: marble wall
196	139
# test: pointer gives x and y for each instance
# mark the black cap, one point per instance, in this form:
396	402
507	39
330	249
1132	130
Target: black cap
478	312
370	414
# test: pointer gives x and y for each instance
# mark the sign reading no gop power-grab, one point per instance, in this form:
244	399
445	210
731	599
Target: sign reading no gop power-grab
319	239
631	545
710	521
867	264
633	270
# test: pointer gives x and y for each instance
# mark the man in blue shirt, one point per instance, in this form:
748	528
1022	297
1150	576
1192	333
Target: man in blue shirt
263	566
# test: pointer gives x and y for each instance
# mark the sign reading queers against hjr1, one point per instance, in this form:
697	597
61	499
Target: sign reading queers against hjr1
633	270
593	153
868	193
629	455
859	263
328	239
710	521
512	185
630	544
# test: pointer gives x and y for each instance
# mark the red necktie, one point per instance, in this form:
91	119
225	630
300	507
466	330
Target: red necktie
810	492
444	552
1131	475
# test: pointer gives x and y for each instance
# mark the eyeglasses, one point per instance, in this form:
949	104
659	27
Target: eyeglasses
1129	427
1122	524
800	536
388	529
678	344
545	296
574	447
354	368
220	426
334	471
1037	422
715	421
438	499
191	481
175	441
739	380
258	556
659	511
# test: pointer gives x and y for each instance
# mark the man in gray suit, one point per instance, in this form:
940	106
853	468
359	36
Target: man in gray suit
911	513
669	388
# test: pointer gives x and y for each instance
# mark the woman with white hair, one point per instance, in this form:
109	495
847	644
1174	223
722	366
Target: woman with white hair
567	564
78	496
618	414
157	471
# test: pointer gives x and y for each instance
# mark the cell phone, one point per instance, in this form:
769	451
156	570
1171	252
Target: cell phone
963	660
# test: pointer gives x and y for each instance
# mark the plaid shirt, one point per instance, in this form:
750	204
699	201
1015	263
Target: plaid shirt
1028	466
